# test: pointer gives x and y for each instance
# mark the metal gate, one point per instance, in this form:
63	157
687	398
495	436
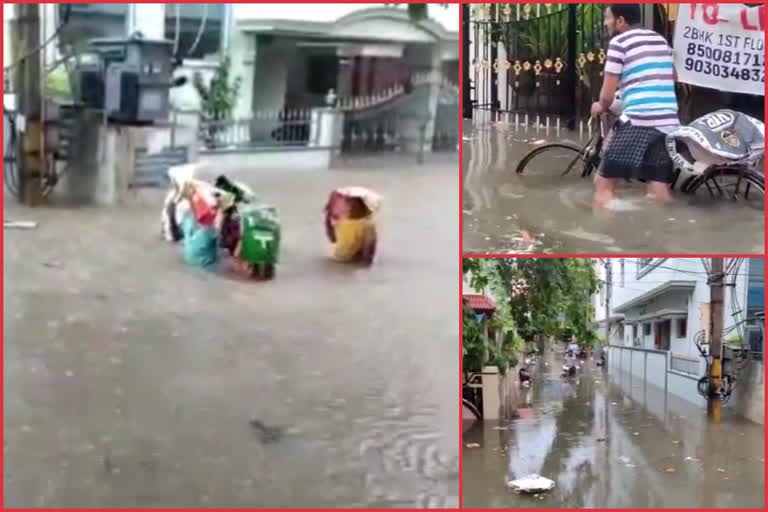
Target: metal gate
536	58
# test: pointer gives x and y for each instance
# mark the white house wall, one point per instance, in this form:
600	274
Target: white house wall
149	19
671	269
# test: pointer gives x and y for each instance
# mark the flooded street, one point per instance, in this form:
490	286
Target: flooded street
131	379
612	443
541	211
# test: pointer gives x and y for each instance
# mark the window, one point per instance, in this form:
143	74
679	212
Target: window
682	327
646	329
645	265
755	288
196	40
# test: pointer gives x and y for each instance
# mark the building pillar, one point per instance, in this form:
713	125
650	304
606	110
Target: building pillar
242	52
491	395
435	85
344	81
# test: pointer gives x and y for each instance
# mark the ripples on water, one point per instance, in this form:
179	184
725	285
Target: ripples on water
542	212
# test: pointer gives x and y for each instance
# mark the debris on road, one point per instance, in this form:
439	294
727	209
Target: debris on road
19	224
670	470
720	470
693	459
266	433
472	445
531	484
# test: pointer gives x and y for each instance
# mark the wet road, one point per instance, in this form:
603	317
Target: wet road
556	212
130	378
613	443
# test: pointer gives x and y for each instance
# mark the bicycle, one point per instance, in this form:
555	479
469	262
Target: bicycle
709	179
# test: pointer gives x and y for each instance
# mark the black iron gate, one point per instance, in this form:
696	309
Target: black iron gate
535	58
548	59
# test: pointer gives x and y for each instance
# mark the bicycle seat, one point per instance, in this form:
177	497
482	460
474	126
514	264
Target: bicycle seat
721	138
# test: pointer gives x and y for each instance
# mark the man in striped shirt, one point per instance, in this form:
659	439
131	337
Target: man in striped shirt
640	67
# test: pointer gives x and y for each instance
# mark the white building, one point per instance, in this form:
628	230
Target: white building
660	308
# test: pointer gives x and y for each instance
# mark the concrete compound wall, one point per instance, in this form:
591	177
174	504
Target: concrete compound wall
651	368
749	394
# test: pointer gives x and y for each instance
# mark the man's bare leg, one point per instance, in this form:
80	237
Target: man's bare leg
658	191
604	191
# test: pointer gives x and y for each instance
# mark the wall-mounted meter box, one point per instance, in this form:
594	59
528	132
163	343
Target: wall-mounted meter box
137	75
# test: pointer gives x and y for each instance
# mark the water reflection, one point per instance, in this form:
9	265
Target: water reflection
613	442
543	212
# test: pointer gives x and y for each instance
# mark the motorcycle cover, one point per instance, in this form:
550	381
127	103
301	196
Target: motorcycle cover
201	244
720	138
335	206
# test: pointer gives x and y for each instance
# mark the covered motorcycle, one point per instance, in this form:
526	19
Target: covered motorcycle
206	200
724	138
259	239
350	223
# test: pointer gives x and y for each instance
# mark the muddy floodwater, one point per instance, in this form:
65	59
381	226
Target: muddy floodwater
133	380
541	211
612	442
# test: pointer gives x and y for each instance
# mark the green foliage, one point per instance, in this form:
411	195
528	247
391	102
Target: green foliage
473	342
57	85
217	97
534	296
418	12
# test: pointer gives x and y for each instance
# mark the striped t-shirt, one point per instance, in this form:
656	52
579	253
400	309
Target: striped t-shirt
643	60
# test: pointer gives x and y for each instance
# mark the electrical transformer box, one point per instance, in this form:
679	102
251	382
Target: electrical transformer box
136	80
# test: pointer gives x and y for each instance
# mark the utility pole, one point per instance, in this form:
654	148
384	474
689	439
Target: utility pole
30	151
716	294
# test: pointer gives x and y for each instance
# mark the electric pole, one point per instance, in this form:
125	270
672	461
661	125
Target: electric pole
716	294
27	78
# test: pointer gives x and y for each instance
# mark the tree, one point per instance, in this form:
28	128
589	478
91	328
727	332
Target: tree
534	296
478	350
217	98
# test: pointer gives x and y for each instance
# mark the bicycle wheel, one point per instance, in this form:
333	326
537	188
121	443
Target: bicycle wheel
746	187
566	153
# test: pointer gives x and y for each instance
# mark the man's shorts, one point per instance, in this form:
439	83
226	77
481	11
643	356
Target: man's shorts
637	153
